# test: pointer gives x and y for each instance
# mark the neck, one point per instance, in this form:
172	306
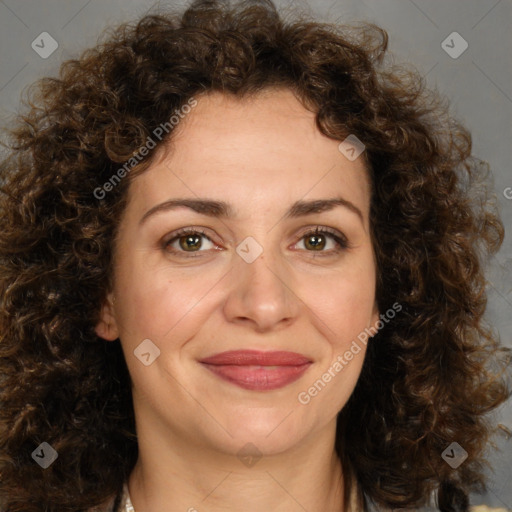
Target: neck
193	478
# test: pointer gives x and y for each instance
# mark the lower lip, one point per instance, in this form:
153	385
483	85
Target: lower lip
258	378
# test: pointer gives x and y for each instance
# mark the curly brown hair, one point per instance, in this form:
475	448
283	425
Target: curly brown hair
439	368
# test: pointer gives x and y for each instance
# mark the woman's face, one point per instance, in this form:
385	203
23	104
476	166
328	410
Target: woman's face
254	278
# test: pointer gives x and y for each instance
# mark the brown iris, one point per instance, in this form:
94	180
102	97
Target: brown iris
315	242
192	242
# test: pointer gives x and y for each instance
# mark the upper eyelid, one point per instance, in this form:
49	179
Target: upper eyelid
186	231
201	231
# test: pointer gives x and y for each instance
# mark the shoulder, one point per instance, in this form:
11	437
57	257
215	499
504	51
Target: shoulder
485	508
354	507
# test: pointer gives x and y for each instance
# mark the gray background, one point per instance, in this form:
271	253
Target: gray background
478	84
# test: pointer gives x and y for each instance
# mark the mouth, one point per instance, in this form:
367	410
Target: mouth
257	371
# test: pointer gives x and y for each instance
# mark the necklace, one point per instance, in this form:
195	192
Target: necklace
128	507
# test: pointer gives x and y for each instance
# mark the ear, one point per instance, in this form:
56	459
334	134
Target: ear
107	328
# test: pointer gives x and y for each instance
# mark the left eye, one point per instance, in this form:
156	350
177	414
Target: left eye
322	241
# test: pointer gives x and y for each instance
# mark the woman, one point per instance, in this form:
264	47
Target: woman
241	268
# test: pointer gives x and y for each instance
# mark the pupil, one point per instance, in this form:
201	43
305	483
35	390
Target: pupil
316	241
190	242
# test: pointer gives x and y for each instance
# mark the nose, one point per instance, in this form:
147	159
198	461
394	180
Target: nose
261	296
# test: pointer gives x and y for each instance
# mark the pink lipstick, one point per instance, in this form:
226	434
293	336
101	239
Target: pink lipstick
258	371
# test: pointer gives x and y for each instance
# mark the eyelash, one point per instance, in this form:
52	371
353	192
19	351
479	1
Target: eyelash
340	240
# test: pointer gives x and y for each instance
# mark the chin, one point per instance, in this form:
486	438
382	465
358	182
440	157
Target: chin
272	431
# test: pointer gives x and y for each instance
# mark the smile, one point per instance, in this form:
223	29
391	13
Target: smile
258	371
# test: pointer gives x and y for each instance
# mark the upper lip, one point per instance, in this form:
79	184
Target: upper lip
257	358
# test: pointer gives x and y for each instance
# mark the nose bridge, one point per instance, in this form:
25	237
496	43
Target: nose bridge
260	293
264	272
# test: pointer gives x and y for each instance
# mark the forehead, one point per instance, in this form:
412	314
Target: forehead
265	146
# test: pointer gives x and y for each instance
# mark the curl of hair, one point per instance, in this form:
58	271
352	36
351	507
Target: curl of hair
430	376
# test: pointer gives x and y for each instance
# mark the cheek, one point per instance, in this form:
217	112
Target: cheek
343	303
342	312
155	299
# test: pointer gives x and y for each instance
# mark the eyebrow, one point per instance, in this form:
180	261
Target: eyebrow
301	208
222	209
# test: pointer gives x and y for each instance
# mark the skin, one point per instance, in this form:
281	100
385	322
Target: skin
260	155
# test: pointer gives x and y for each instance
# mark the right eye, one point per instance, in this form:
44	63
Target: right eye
188	240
